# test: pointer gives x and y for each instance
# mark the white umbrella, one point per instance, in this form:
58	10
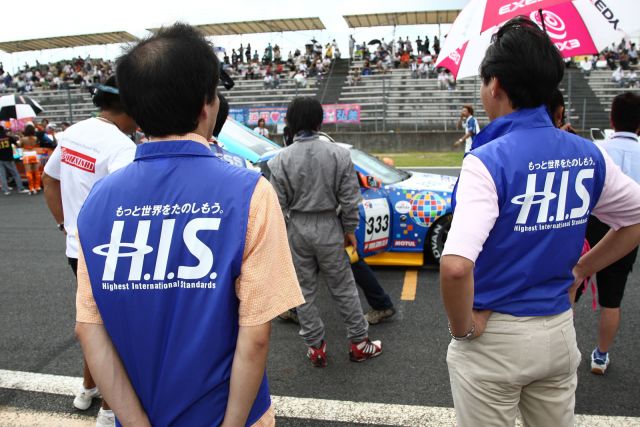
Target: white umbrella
18	107
577	27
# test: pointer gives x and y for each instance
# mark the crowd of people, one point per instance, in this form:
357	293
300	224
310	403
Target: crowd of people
304	67
32	147
399	55
56	75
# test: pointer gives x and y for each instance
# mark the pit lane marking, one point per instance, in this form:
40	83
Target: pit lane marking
285	406
409	286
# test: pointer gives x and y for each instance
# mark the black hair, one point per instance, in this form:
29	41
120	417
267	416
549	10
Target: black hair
261	120
29	130
525	62
105	100
556	99
223	112
304	114
165	80
3	132
625	112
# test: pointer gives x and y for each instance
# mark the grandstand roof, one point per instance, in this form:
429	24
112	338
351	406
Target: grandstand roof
402	18
264	26
67	41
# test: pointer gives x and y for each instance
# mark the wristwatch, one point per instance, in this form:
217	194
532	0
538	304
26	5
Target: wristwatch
60	226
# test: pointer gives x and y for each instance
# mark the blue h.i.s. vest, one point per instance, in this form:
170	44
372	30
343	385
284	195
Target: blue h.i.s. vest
547	181
163	239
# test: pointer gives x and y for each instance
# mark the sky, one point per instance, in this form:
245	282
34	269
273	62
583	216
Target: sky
50	20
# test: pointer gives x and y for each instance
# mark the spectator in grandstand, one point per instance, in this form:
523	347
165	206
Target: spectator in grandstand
470	125
632	79
443	79
617	77
353	78
261	128
352	44
7	163
489	269
436	45
586	66
268	81
312	177
633	54
218	376
89	150
624	148
419	45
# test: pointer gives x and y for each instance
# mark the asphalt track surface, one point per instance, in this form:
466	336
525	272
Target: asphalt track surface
37	320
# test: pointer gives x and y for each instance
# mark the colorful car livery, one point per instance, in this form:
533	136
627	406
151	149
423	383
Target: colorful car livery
404	216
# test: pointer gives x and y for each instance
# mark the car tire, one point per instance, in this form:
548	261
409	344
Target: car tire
436	238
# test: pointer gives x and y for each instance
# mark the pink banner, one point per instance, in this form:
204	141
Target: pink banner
452	62
497	12
566	29
18	125
341	113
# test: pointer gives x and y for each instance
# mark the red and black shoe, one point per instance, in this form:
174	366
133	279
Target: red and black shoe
318	355
363	350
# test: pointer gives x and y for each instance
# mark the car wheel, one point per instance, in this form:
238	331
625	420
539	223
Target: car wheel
436	237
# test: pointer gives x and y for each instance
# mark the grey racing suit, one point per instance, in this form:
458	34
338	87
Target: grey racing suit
312	178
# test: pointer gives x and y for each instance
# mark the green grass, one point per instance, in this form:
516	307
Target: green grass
424	159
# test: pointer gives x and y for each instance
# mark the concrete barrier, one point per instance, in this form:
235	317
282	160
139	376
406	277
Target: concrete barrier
401	142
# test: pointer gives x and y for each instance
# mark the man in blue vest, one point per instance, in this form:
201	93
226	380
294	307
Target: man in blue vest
184	258
512	255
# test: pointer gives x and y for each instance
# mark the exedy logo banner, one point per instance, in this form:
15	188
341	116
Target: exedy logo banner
142	247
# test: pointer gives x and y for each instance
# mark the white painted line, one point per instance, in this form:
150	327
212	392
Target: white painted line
285	406
20	417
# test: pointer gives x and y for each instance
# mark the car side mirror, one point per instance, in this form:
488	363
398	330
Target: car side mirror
368	181
372	182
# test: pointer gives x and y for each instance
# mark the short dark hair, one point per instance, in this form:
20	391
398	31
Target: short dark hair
261	120
107	101
556	99
625	112
469	108
525	62
29	130
223	113
165	80
304	114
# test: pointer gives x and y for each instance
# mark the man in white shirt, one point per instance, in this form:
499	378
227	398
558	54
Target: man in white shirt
87	152
624	149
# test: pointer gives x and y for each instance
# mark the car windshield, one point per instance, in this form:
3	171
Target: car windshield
250	140
378	169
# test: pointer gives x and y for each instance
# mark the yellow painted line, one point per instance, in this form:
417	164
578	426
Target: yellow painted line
409	285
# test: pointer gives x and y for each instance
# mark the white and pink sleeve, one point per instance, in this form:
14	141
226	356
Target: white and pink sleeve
476	210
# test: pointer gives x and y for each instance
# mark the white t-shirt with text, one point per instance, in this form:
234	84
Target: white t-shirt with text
88	151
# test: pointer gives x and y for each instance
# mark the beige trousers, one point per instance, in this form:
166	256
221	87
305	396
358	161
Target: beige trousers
528	363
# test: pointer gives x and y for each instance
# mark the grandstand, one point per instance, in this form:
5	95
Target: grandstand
392	101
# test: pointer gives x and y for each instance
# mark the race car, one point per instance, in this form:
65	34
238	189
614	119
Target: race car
404	216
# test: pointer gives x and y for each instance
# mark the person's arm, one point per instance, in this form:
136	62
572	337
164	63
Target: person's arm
53	196
476	213
266	287
51	183
247	372
109	374
103	360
